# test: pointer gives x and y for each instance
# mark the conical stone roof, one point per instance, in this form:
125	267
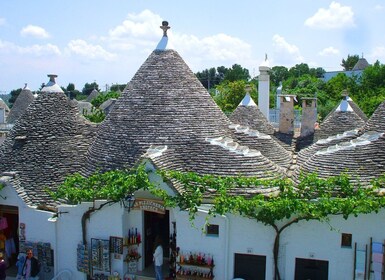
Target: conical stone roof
362	158
94	93
248	114
305	154
48	142
361	64
165	110
342	119
21	103
377	120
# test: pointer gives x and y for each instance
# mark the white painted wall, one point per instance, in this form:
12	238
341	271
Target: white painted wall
309	240
38	224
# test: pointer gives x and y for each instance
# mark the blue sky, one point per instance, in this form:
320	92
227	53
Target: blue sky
106	41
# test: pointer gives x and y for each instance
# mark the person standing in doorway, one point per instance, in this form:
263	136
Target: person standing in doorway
31	267
158	258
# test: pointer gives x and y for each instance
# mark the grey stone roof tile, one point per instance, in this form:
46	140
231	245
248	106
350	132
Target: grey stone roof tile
21	103
48	142
165	105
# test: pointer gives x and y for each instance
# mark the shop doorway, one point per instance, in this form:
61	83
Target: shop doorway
155	224
9	239
311	269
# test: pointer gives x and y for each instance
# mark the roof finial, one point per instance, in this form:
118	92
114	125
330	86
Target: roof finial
165	27
163	41
345	94
265	56
52	77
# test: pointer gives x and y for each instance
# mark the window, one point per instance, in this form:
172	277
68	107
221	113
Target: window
212	230
346	240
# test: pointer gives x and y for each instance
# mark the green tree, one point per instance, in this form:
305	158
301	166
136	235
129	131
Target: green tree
299	70
237	73
349	63
96	115
71	92
88	88
210	77
70	87
13	96
101	98
278	74
230	94
117	87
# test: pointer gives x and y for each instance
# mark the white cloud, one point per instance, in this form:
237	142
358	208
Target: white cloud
329	51
34	31
82	48
141	32
336	16
2	21
144	25
35	50
40	50
287	54
219	47
379	7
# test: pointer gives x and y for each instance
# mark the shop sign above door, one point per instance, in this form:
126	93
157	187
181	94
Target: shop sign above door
149	205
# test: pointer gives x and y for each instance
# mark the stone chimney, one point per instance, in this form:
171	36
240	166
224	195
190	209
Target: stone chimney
286	113
264	89
309	116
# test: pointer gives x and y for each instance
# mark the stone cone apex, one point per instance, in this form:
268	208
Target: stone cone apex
52	86
165	105
21	104
343	118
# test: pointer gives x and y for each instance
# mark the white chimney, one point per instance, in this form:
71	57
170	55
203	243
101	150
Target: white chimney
264	89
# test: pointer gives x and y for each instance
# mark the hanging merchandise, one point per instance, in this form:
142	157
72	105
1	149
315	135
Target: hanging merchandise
100	258
116	245
83	259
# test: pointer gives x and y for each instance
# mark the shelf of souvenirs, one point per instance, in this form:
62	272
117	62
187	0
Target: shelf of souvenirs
202	265
195	259
127	244
133	238
194	275
132	256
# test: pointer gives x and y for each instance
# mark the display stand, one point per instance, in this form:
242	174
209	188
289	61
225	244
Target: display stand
195	267
83	264
100	259
376	260
359	271
174	251
132	243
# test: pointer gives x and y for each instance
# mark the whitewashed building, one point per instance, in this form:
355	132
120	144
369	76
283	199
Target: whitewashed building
166	119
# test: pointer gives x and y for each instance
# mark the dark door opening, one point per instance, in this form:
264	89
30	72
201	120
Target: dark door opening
310	269
9	238
155	224
249	267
